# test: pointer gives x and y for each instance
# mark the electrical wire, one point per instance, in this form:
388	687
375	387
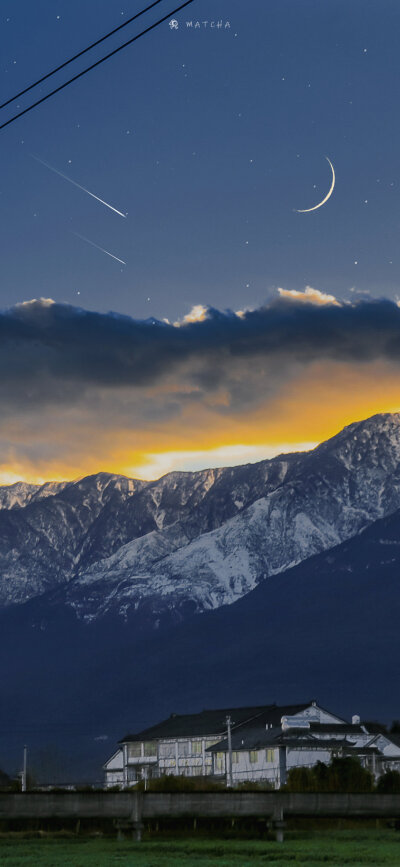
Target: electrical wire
93	65
79	54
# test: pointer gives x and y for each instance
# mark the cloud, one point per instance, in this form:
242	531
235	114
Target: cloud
88	390
55	352
309	296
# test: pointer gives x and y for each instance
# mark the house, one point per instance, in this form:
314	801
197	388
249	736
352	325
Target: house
264	754
180	745
389	751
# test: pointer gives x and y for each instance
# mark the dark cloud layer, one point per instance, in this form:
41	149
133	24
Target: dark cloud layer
54	352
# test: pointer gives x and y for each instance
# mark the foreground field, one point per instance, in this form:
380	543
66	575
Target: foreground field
338	848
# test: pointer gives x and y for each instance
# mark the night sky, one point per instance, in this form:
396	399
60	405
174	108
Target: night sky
208	139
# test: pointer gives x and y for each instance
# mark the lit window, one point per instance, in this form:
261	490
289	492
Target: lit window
270	755
219	761
253	756
235	757
196	748
134	750
150	748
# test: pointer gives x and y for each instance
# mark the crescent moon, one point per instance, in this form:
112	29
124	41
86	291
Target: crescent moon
328	195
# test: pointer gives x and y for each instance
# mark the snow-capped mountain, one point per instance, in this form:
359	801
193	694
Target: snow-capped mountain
193	541
21	493
310	503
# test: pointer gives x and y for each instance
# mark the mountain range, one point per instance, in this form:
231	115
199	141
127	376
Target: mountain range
123	600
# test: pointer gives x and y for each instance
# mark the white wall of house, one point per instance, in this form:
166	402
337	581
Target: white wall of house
386	746
179	757
114	770
268	764
314	713
306	758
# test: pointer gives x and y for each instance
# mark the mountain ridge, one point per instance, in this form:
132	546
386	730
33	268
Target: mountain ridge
191	541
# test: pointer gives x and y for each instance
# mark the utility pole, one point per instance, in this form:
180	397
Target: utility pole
23	777
229	781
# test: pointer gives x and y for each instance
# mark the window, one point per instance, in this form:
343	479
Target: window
270	755
235	757
184	748
196	748
253	756
197	771
167	751
219	762
150	748
134	750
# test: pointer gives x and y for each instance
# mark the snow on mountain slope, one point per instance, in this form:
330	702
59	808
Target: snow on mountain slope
40	542
193	540
322	498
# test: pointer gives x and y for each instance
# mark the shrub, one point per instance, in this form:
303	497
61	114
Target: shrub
389	782
171	783
341	775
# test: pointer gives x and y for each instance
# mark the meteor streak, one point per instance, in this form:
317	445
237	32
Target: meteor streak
98	248
75	184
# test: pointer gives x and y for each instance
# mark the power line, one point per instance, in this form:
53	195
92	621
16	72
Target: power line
79	54
97	63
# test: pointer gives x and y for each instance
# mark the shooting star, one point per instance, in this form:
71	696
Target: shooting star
66	178
82	237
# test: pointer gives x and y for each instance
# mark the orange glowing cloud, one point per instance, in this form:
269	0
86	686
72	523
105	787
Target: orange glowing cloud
308	296
88	392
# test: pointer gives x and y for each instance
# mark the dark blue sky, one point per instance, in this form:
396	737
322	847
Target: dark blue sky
208	139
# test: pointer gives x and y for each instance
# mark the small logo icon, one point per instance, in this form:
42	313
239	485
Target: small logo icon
174	24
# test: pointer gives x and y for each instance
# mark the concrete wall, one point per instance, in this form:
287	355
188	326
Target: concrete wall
134	806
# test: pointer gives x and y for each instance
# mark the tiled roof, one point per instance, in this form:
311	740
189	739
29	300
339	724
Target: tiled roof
213	722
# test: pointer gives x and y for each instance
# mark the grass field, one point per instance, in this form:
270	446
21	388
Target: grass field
373	847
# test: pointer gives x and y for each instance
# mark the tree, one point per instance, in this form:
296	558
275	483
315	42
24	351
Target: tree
389	782
341	775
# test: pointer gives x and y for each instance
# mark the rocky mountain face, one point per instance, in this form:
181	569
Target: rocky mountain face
193	541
